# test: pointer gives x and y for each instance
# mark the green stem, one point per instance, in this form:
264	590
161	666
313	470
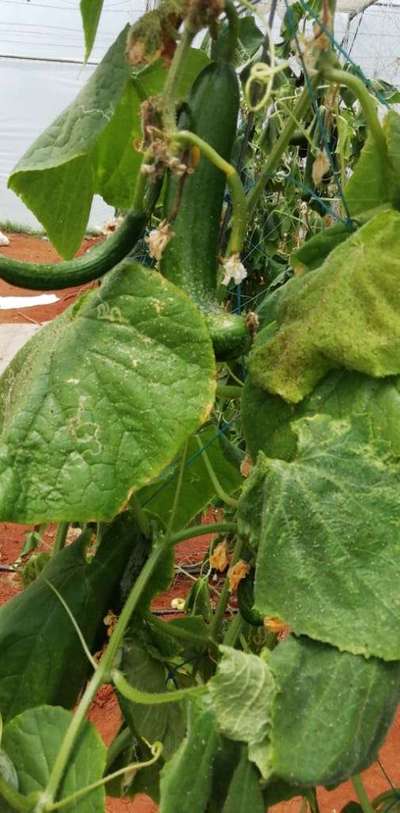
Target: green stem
61	537
220	492
216	624
202	530
169	95
106	663
15	799
103	781
361	793
229	391
153	698
141	185
239	203
99	677
233	30
300	110
368	105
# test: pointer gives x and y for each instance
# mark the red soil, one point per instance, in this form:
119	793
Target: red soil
105	712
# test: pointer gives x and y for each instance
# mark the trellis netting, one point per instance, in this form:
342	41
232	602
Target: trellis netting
41	63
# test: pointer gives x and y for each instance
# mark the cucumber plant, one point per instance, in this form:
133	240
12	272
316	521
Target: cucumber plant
149	399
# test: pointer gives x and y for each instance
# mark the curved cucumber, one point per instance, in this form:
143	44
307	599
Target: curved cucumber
245	596
190	259
90	266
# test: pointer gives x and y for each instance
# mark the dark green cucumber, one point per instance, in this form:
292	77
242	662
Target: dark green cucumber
190	259
90	266
245	597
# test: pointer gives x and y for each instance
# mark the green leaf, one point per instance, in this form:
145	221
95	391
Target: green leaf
331	713
56	176
267	419
315	250
117	161
8	772
101	399
186	779
244	791
197	488
159	723
327	529
375	179
89	147
344	314
37	638
242	693
32	741
90	13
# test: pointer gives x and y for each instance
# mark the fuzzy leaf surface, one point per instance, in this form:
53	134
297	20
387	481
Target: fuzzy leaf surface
32	741
242	693
267	419
343	314
327	530
101	399
331	713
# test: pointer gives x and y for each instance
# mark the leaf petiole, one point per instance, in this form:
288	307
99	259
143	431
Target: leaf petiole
239	204
153	698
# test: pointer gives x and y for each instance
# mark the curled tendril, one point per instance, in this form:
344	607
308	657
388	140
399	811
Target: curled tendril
263	74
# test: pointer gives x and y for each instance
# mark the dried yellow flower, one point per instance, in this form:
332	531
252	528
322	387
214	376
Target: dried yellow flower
236	573
219	559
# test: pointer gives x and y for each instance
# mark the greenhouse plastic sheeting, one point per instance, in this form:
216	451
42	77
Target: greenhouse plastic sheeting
33	93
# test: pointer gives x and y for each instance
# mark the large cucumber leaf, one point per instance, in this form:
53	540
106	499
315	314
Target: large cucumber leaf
376	176
267	418
197	487
331	711
90	13
89	147
302	705
344	314
242	693
101	399
56	176
33	740
327	529
186	779
37	639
